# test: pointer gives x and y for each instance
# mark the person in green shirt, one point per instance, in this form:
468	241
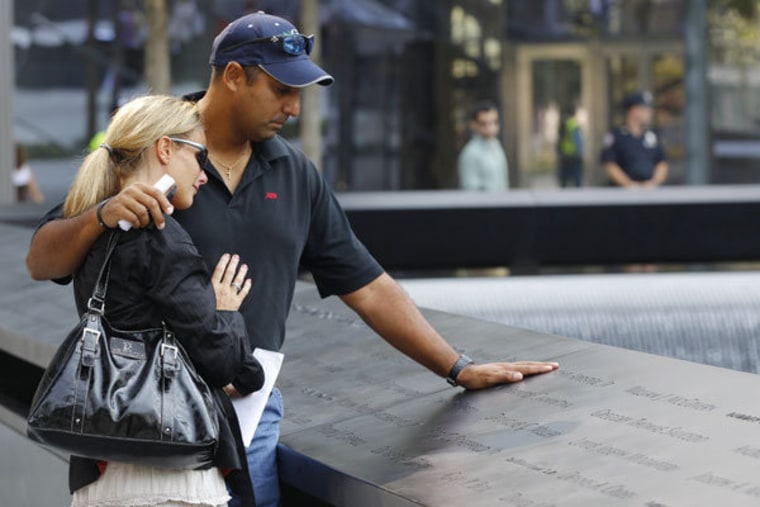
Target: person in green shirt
97	139
570	149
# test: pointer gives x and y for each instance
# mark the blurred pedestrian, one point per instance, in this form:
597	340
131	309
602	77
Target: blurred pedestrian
186	22
482	164
23	178
97	139
633	156
570	148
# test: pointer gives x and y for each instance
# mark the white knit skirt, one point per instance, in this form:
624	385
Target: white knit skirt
123	485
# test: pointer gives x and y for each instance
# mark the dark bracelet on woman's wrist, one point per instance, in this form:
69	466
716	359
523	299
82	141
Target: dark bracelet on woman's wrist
98	214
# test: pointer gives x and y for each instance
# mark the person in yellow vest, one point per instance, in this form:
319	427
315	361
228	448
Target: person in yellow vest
100	136
570	149
96	141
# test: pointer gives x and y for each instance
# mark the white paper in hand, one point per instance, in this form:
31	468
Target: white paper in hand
250	408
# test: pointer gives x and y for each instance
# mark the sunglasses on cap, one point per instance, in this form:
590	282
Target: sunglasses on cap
294	44
201	155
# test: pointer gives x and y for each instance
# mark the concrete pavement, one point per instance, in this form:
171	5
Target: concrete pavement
30	315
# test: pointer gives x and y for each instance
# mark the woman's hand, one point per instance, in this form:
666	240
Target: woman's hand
137	203
230	284
230	390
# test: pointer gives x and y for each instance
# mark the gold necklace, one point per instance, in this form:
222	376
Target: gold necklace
230	167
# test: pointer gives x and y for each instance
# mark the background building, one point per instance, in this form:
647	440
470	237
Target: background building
408	70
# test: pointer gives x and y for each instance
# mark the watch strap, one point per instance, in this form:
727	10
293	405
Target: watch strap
462	361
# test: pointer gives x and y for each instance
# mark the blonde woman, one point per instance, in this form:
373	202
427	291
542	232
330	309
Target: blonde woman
160	276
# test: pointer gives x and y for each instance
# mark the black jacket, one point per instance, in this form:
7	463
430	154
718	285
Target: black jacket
160	276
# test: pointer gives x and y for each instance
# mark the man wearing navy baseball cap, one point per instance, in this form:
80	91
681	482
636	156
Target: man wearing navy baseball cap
633	156
272	44
267	204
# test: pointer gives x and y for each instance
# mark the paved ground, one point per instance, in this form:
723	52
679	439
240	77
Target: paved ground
29	475
30	314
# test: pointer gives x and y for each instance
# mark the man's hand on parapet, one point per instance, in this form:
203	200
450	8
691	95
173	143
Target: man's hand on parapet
479	376
137	203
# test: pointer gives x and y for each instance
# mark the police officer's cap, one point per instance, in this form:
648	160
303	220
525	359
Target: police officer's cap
642	98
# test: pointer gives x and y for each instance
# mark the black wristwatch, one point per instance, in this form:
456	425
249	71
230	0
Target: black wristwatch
463	361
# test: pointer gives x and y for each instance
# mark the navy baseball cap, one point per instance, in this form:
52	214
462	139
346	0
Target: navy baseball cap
642	98
273	44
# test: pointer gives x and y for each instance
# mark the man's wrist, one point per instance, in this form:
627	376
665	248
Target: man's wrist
462	362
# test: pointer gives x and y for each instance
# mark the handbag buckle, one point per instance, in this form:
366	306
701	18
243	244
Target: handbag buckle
93	301
173	348
170	362
90	338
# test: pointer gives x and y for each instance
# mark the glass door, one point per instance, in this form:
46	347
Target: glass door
556	90
595	77
551	79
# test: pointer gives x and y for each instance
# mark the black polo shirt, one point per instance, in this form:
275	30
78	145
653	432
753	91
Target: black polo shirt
282	217
636	156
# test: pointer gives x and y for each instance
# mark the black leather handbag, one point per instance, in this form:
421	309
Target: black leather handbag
128	396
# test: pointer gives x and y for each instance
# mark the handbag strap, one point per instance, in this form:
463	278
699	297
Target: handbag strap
95	310
97	301
170	357
170	365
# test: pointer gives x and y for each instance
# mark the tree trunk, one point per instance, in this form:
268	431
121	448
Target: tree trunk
311	122
7	85
117	59
91	70
157	65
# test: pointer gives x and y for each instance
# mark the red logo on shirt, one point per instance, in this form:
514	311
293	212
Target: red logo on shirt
271	195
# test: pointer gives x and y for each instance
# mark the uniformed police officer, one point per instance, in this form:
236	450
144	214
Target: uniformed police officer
633	155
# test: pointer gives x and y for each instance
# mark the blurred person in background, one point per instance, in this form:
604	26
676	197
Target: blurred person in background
482	163
633	156
23	178
570	148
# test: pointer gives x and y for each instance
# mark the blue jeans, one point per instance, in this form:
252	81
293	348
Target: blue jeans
262	454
